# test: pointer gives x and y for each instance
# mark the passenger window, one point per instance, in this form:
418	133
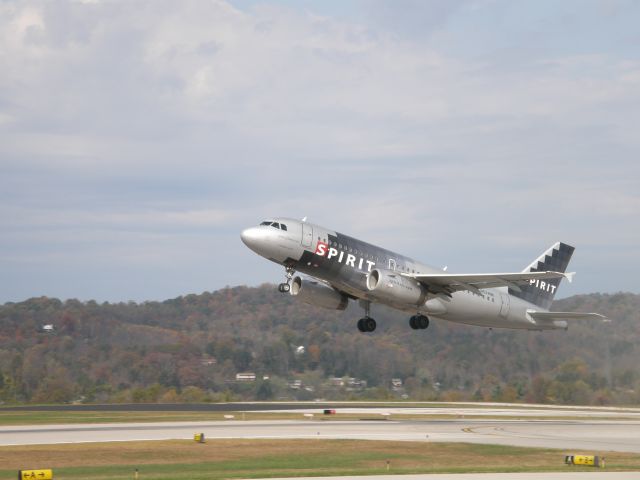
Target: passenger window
283	227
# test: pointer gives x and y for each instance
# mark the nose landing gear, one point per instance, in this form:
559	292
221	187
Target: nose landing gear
419	322
286	286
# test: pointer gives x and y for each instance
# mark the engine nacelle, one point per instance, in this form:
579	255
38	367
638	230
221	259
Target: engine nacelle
318	294
393	287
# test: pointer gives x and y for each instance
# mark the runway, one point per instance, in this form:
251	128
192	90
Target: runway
589	435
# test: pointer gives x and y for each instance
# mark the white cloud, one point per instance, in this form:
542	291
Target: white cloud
161	116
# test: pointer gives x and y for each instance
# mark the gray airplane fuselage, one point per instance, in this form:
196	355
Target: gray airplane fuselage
344	263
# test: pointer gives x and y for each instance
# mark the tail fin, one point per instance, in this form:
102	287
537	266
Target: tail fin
541	292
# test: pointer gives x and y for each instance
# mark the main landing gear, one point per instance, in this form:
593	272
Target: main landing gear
366	324
286	286
419	322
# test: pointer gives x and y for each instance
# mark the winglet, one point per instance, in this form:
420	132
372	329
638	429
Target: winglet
569	276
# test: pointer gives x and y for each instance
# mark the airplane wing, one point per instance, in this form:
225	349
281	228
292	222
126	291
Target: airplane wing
551	316
448	283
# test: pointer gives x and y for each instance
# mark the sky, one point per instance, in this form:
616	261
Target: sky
137	139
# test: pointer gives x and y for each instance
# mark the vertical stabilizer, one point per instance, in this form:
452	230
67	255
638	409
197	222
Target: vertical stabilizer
541	292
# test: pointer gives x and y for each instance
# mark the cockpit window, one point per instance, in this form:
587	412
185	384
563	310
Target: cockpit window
279	226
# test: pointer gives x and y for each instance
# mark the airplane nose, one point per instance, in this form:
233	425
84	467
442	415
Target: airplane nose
251	237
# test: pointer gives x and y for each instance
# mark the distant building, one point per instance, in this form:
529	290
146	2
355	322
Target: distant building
356	384
396	385
245	377
207	361
47	328
351	383
295	384
336	382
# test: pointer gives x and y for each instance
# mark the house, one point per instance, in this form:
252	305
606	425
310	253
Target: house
245	377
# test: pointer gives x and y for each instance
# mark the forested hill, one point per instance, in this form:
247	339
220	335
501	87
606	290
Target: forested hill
192	348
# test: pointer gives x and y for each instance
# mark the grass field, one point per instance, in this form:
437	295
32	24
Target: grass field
8	418
221	459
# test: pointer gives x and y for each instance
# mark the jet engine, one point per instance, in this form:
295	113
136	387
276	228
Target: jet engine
318	294
392	287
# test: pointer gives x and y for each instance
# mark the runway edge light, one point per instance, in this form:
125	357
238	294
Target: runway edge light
43	474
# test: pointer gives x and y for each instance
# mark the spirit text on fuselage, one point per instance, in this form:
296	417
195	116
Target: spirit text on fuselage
323	250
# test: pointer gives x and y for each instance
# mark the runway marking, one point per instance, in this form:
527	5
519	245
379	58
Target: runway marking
504	434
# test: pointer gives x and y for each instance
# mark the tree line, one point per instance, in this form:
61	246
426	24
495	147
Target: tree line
191	348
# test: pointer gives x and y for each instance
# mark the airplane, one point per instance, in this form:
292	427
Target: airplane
339	268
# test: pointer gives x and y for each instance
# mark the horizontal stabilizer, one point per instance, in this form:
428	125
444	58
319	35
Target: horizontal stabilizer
449	283
551	316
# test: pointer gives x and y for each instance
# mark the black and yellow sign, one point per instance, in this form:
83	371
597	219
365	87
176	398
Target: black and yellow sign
590	460
35	474
199	437
584	460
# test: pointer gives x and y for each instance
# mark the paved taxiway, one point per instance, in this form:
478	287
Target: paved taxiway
430	408
592	435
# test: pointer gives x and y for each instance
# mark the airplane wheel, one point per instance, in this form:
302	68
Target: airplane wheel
370	324
367	324
286	287
419	322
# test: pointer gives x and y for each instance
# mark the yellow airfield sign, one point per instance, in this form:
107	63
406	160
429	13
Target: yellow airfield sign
591	460
46	474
